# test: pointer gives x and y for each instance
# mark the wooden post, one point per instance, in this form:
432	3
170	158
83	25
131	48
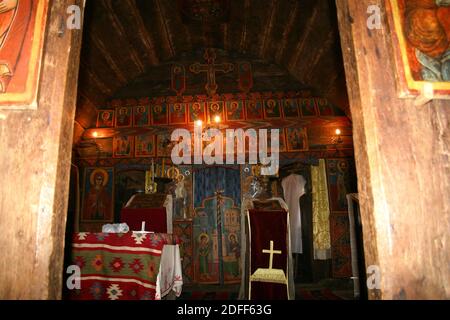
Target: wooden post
402	157
36	148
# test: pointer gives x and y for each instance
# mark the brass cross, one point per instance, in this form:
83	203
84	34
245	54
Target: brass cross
271	252
211	67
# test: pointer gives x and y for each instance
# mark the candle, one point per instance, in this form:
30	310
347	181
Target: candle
162	169
153	170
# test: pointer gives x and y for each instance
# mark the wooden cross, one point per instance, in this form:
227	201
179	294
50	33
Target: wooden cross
271	252
211	67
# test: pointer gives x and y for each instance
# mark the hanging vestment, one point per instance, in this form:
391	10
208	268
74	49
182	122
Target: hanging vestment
293	188
321	212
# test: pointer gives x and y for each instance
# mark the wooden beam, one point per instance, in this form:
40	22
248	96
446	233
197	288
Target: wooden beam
309	69
98	43
165	28
300	47
92	78
34	169
118	27
402	153
141	31
287	30
86	111
267	32
244	26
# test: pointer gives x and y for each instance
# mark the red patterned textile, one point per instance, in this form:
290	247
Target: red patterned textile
155	218
118	266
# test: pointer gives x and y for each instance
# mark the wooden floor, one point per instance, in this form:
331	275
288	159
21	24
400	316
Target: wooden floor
329	289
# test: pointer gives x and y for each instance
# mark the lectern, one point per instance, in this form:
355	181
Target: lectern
268	248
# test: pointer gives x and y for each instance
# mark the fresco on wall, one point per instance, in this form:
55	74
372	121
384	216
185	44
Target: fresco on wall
98	195
141	116
235	110
421	41
22	34
123	117
105	119
341	181
123	146
177	114
211	264
145	145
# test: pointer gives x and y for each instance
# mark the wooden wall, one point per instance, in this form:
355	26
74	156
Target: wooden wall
34	171
402	158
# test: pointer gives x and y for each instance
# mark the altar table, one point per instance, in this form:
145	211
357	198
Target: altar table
126	266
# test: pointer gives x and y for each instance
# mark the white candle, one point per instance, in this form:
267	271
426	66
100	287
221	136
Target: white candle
143	226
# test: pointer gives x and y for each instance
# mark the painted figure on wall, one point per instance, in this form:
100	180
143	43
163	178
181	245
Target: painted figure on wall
178	113
163	145
145	145
254	109
105	119
215	109
196	111
7	13
341	181
308	107
272	109
22	30
233	258
123	146
123	117
290	108
98	199
159	114
203	256
325	109
427	30
141	116
235	110
234	246
10	33
296	139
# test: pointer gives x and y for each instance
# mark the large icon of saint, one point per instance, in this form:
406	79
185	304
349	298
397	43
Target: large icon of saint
98	200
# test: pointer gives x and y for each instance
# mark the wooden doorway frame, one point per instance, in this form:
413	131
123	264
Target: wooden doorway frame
35	162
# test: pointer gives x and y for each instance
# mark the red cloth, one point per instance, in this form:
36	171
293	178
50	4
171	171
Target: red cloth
155	219
264	227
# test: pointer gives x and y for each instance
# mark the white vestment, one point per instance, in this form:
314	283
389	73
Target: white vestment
293	188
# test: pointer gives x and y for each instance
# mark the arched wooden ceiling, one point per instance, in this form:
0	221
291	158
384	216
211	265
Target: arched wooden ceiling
125	39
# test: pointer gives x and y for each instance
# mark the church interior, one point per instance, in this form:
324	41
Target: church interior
147	214
230	65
